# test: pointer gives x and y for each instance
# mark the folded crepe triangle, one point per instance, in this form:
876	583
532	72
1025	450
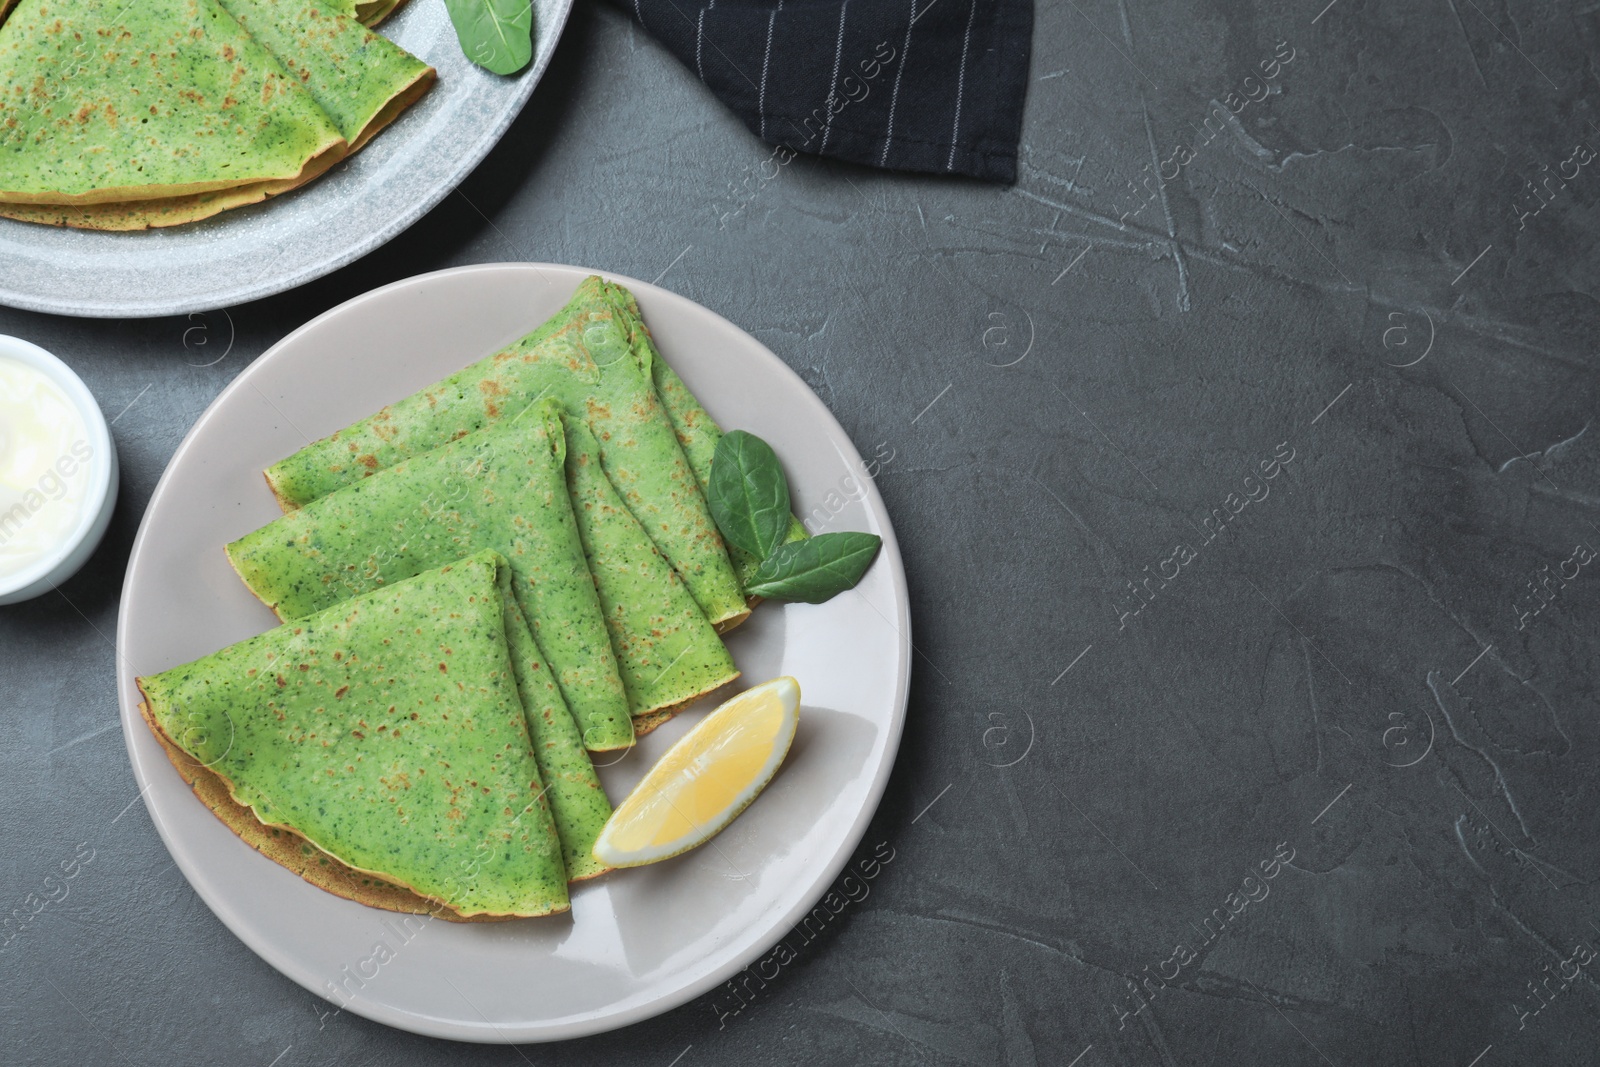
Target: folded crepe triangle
387	732
113	101
357	80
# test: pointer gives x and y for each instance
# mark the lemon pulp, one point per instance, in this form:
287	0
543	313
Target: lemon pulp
705	780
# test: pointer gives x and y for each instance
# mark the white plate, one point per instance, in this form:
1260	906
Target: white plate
289	240
637	942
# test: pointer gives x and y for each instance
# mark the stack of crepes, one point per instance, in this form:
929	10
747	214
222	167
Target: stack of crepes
530	533
118	115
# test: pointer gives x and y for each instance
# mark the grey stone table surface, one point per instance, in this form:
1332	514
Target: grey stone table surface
1244	470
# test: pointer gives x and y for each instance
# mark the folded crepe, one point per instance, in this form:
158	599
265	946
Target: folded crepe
667	652
360	80
106	101
584	358
292	851
578	801
698	433
502	489
388	733
363	81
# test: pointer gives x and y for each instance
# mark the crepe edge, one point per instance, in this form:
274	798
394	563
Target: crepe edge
731	622
227	550
379	11
120	194
409	94
649	721
175	210
285	505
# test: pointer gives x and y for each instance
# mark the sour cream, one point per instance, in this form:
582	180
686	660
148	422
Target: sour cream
46	457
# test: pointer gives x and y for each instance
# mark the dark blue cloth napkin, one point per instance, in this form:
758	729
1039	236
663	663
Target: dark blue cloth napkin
923	85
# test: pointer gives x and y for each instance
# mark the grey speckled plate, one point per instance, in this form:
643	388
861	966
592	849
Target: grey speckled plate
287	241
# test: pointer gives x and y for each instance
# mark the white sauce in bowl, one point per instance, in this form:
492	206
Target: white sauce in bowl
45	461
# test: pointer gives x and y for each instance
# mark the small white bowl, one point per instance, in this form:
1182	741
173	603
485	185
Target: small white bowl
99	498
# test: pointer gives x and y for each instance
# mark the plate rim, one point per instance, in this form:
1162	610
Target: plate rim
595	1023
259	290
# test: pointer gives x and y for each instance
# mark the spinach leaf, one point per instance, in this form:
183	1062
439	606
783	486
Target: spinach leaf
748	494
816	569
495	34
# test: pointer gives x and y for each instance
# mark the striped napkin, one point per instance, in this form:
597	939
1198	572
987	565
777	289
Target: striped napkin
934	86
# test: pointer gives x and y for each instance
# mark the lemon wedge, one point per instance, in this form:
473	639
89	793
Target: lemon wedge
706	779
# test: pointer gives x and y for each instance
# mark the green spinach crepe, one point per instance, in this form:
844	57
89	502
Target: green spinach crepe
361	80
668	653
292	851
585	358
697	432
578	802
502	489
106	101
388	732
